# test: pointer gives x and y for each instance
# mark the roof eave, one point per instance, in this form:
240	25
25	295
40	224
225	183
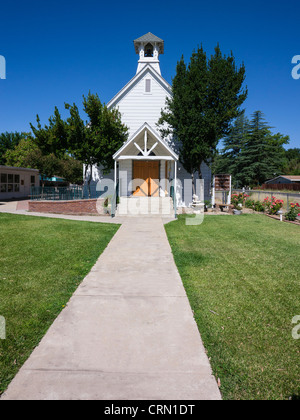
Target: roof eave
154	133
148	67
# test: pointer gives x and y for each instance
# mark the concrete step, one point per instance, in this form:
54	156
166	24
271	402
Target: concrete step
145	206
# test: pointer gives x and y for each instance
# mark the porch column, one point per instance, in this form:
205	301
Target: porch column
175	176
175	188
115	175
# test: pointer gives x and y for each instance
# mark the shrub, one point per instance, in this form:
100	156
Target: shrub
272	205
258	206
254	205
249	204
238	200
293	213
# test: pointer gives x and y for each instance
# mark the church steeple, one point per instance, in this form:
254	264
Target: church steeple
149	47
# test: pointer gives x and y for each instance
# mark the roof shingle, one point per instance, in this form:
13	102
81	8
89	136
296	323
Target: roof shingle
149	37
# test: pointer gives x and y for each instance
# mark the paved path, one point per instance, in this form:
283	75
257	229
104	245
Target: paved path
128	332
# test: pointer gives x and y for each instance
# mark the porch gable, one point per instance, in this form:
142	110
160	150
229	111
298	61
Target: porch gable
145	144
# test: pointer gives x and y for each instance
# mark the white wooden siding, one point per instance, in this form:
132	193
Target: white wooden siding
138	106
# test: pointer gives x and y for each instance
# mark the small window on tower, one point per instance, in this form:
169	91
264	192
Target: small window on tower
148	86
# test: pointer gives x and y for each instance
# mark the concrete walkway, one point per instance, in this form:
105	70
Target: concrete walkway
128	332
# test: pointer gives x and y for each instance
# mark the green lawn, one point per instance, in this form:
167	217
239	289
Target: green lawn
42	261
242	276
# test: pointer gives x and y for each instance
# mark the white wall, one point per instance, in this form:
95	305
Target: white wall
138	107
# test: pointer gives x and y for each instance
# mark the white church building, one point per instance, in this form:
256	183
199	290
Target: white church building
147	168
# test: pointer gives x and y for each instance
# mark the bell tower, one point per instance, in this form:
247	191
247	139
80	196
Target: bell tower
149	47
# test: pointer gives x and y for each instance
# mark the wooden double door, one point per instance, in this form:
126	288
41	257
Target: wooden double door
146	178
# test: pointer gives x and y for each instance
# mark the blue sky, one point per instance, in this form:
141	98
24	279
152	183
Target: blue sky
57	51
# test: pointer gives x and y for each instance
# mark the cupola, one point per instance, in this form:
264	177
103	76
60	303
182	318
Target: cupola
149	47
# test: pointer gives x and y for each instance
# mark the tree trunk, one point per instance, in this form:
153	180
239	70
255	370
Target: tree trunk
200	177
90	179
193	184
199	172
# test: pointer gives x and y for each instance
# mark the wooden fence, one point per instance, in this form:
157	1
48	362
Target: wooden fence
279	187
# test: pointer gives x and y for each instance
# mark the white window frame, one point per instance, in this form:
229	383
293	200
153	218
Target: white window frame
148	92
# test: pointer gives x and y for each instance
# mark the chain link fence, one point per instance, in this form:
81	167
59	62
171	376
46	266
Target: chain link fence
260	195
77	192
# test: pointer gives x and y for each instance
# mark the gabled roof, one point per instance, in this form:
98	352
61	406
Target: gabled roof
293	178
136	78
14	168
149	37
144	127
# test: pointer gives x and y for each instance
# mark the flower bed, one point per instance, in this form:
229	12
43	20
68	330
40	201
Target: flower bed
294	213
238	200
272	205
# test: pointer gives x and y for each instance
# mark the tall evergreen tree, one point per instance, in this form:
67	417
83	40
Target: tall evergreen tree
207	95
228	161
262	155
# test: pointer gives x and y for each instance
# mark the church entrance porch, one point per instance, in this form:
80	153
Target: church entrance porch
145	169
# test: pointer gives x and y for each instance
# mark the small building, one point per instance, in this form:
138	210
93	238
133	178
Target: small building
17	182
284	179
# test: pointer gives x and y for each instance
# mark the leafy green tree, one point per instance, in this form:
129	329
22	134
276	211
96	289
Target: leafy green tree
52	138
28	155
207	95
8	141
71	170
48	165
95	141
91	142
293	154
18	156
292	162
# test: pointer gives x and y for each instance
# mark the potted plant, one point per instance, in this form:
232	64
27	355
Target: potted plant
238	201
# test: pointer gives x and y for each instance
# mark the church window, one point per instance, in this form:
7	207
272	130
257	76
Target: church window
148	86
